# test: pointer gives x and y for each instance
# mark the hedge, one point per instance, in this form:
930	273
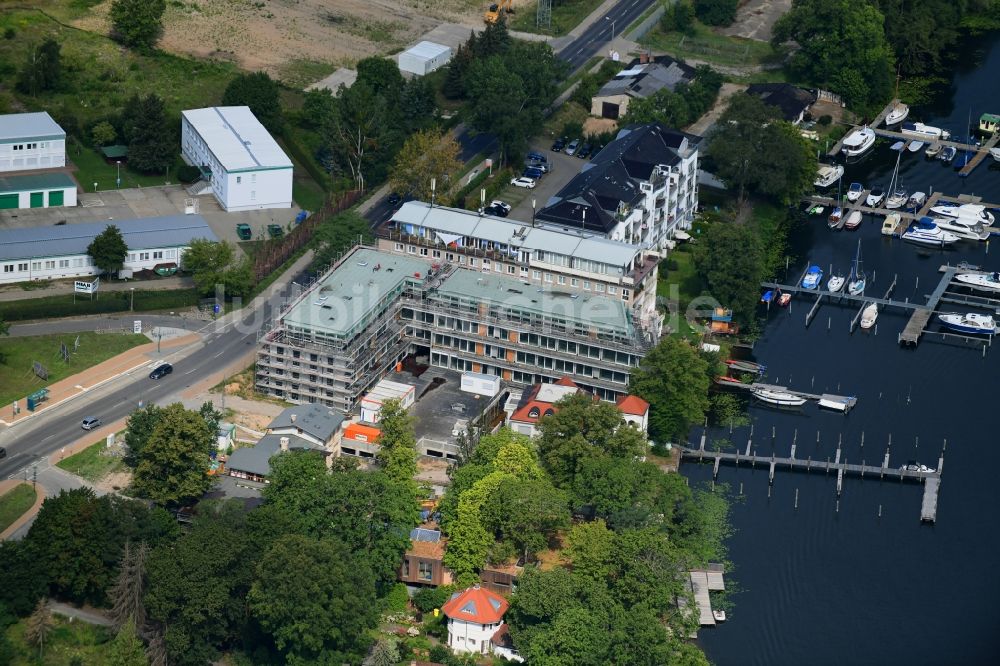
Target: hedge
110	301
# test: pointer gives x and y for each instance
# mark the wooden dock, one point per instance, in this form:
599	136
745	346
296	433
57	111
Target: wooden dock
921	317
980	155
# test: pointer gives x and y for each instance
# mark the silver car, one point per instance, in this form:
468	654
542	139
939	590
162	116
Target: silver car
572	147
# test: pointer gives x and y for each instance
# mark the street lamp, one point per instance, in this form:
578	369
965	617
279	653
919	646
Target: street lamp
118	163
131	299
608	18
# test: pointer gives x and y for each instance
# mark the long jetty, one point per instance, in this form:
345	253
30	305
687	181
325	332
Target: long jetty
905	214
838	465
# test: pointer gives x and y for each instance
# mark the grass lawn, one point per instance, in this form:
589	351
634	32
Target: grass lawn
683	283
92	463
68	643
16	377
91	168
710	47
14	503
567	113
565	16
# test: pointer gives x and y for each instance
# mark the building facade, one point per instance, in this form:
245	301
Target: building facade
31	141
474	616
244	165
41	190
643	78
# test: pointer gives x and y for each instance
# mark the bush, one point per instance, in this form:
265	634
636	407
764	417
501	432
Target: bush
716	12
187	173
397	599
573	130
825	120
429	598
114	301
439	654
9	33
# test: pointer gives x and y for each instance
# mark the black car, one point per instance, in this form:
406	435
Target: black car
3	452
496	211
161	371
559	145
393	198
584	151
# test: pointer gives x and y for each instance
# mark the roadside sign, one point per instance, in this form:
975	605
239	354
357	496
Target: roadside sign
137	326
110	439
83	287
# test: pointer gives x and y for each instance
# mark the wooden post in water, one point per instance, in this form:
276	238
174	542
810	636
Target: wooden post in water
796	498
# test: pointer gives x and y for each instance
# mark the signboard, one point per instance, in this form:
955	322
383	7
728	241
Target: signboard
110	441
81	287
137	326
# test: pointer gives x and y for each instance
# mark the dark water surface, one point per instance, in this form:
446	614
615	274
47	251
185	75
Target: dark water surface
818	586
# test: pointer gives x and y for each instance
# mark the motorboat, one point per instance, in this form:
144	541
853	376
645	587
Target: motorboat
836	283
719	615
897	114
976	212
897	199
970	322
857	280
837	403
961	229
776	396
828	174
986	281
995	153
858	141
915	146
855	191
916	200
933	150
853	220
869	315
914	466
812	278
816	210
898	146
922	131
875	197
890	224
746	366
948	154
925	232
784	299
834	219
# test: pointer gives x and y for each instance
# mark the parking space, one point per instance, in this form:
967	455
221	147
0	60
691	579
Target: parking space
564	167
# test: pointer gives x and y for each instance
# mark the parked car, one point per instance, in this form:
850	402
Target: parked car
584	151
502	205
494	210
532	172
90	423
535	156
572	147
275	230
161	371
559	144
243	231
523	182
535	164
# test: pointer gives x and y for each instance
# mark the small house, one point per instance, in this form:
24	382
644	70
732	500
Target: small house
37	190
475	616
643	78
423	561
635	410
792	102
989	123
309	427
424	58
539	403
225	436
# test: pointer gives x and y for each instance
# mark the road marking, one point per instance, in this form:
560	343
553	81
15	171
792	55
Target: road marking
219	354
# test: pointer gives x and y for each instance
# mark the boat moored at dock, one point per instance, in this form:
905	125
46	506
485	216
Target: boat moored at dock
869	316
890	224
853	220
875	197
897	113
975	212
922	131
967	231
933	150
828	174
925	232
855	191
775	396
858	142
812	278
987	281
970	322
948	154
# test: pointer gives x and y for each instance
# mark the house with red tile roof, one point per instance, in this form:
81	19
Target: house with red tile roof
635	410
475	616
539	402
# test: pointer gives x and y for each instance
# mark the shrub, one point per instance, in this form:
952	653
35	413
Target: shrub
187	173
825	119
716	12
397	599
9	33
439	654
429	598
115	301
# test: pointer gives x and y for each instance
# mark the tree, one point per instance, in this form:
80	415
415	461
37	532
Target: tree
127	649
426	155
679	17
732	262
334	236
138	23
397	444
4	330
454	81
590	550
213	265
923	34
358	131
108	249
385	652
382	74
127	592
499	103
172	466
672	378
260	92
20	593
40	624
151	146
140	425
103	133
42	70
315	597
528	513
716	12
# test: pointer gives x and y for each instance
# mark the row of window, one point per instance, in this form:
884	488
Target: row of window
152	254
425	570
51	264
30	146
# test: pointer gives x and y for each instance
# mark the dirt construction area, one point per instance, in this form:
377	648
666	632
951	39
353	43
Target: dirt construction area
285	37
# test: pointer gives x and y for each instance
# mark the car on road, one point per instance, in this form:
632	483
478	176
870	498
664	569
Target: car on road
523	181
3	453
161	371
584	151
90	423
497	208
243	231
393	198
572	147
275	230
559	144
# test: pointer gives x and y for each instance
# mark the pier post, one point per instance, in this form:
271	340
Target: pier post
770	478
796	498
793	452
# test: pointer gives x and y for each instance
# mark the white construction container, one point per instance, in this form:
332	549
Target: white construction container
424	58
480	384
371	403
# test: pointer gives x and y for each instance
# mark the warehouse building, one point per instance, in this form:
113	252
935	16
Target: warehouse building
241	162
48	253
31	141
40	190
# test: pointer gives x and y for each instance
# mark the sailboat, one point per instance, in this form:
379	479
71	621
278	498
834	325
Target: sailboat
837	213
899	111
897	195
857	280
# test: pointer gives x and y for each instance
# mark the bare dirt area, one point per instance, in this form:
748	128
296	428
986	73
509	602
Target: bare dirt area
296	40
114	482
755	19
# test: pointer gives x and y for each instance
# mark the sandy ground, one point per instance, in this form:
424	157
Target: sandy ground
280	35
755	19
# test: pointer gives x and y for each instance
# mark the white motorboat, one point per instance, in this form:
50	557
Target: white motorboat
899	146
776	396
875	197
855	191
933	150
853	220
858	141
836	283
828	174
975	212
925	232
922	131
959	228
719	615
897	114
813	278
948	154
916	200
890	223
914	466
986	281
857	280
897	199
995	153
970	322
915	146
869	315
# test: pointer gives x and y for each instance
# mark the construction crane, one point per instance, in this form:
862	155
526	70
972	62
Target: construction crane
497	8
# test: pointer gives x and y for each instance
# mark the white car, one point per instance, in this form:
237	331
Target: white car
496	203
523	181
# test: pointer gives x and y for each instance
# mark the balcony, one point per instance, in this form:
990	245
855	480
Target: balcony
640	272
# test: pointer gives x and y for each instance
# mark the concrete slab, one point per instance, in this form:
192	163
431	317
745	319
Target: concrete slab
343	76
564	167
755	19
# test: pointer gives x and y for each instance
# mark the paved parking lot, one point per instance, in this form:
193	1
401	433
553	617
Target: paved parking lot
564	167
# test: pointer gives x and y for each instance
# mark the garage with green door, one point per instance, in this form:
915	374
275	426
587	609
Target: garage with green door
37	191
9	200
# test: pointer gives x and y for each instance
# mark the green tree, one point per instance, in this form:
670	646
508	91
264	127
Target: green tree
108	249
528	513
499	103
172	466
138	23
923	34
385	652
673	379
127	649
138	428
334	236
127	592
151	147
260	92
454	80
426	155
315	597
19	593
397	444
103	133
42	71
360	131
590	549
468	543
210	263
716	12
733	279
383	75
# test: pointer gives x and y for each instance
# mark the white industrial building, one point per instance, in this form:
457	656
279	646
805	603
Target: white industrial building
55	252
31	141
37	190
244	165
424	58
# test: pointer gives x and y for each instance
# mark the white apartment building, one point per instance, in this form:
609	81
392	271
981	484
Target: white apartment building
244	165
640	189
31	141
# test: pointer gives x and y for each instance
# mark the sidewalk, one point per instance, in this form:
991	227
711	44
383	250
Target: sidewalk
63	287
28	515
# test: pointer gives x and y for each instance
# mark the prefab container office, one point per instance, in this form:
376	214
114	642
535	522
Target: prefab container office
424	58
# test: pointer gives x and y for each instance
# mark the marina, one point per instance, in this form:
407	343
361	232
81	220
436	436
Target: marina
905	216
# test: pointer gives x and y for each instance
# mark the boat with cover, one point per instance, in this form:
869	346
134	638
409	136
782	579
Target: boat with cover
869	315
916	200
987	281
858	141
836	283
812	278
853	220
925	232
834	219
875	197
914	466
776	396
948	154
972	231
746	366
933	150
922	131
828	174
857	280
970	322
855	191
898	146
976	212
890	223
915	146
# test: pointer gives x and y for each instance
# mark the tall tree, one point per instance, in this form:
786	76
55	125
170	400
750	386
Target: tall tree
426	155
260	92
590	550
673	379
384	653
127	592
127	649
732	261
42	71
108	249
40	624
19	593
138	428
358	130
397	443
382	75
151	146
716	12
138	23
172	467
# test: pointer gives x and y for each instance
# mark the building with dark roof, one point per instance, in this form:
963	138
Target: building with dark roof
792	101
639	189
643	78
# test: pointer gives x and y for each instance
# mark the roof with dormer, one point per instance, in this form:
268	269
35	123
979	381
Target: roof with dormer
476	604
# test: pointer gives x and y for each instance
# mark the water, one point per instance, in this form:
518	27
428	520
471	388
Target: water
822	586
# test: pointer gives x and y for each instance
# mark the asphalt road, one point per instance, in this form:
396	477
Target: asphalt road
593	39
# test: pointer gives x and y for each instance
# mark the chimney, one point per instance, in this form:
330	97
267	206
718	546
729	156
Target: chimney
284	443
292	417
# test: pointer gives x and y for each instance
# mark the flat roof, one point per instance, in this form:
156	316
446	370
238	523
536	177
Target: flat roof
237	139
427	49
73	239
35	182
344	298
587	310
36	125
